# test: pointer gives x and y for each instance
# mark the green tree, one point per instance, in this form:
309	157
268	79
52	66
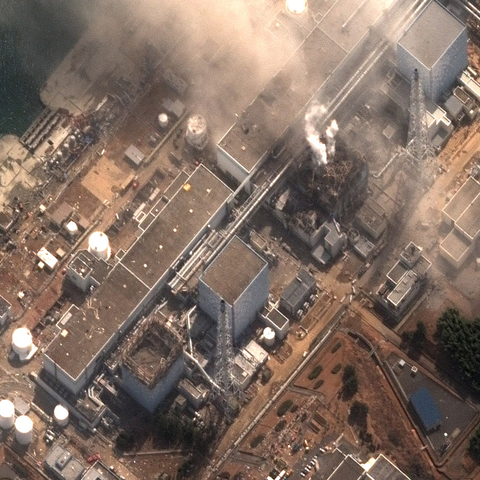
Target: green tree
358	414
474	445
350	382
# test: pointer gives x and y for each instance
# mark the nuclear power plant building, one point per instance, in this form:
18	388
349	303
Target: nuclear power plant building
88	334
436	45
240	277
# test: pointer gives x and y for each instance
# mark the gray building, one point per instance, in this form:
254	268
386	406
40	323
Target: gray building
5	308
62	464
436	45
298	292
239	276
87	336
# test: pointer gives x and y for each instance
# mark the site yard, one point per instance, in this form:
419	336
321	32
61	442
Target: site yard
326	412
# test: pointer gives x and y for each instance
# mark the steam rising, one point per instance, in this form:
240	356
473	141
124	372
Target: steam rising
323	148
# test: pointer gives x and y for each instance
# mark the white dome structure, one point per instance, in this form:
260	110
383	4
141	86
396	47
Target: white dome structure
22	343
99	245
23	430
268	336
163	120
7	414
196	134
296	7
60	415
72	228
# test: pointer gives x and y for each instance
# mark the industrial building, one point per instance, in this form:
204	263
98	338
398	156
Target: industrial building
340	464
404	281
152	362
462	213
86	270
426	409
62	464
87	336
276	320
436	45
298	292
239	276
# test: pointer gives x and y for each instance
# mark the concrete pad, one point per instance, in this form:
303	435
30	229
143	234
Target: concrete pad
105	179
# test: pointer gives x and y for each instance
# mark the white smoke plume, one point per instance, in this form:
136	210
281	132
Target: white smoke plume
322	151
313	119
330	138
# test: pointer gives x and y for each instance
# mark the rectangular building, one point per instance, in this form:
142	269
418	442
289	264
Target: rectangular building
88	335
436	45
239	276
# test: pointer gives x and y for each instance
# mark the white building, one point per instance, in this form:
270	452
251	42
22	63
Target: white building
240	277
436	45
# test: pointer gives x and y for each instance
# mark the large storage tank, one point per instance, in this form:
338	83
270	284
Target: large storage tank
297	7
22	342
196	134
268	336
23	430
7	414
99	245
60	415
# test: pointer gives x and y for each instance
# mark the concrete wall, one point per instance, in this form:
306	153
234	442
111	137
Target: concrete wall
228	164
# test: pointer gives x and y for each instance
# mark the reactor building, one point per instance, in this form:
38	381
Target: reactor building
436	45
239	276
87	335
152	362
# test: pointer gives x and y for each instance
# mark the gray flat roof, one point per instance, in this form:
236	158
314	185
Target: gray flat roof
402	288
281	101
384	469
469	221
89	329
397	272
233	270
431	34
349	469
455	245
462	199
187	213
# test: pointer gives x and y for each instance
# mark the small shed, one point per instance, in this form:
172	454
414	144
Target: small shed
426	409
134	155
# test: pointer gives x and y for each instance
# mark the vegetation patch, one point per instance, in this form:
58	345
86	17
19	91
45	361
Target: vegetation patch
336	347
316	371
350	382
284	407
257	441
460	339
318	384
280	425
336	368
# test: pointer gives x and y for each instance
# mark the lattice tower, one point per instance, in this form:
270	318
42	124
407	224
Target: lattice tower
419	150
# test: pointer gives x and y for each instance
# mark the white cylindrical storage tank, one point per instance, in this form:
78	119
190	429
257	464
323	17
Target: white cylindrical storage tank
7	414
23	430
60	414
99	246
22	342
72	228
196	134
163	120
268	336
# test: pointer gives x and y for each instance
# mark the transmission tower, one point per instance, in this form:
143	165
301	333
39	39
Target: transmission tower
419	150
224	376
